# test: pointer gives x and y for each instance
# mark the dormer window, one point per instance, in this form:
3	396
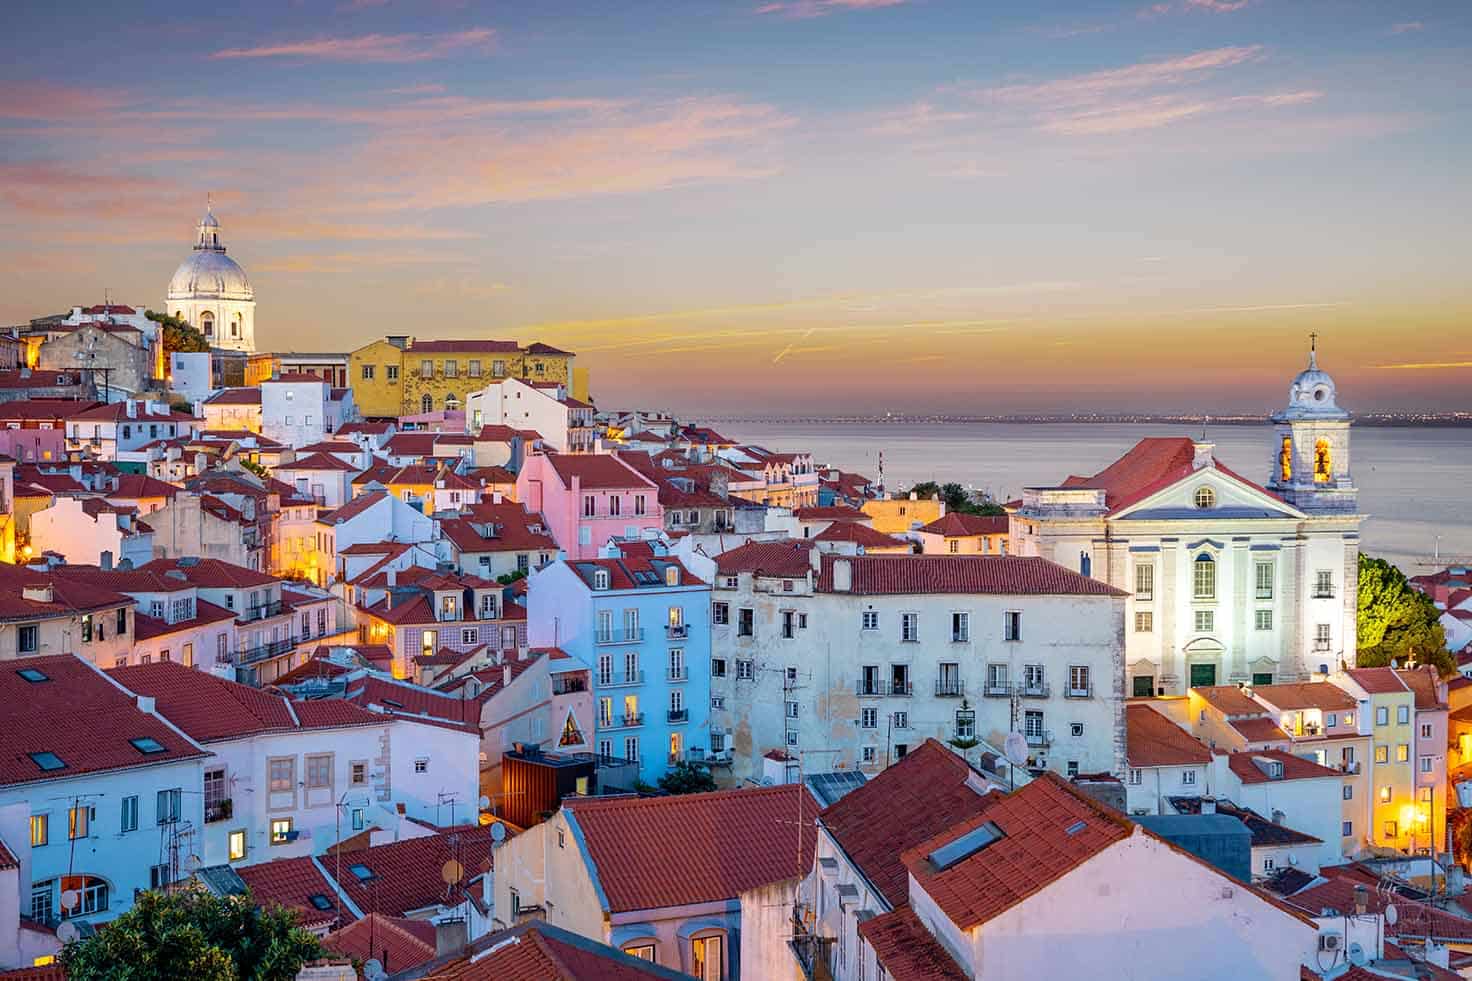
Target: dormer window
671	576
1205	498
600	578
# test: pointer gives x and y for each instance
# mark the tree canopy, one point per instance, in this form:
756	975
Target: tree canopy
179	334
193	935
683	778
1397	623
955	496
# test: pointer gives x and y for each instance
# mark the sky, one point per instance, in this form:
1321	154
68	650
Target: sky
765	206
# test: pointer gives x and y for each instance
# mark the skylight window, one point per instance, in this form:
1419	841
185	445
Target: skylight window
48	761
363	872
320	901
33	676
967	845
1075	827
147	744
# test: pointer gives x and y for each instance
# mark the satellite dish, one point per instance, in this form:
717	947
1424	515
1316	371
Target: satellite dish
1357	954
66	931
485	802
452	872
373	970
498	832
70	898
1391	915
1014	747
1292	859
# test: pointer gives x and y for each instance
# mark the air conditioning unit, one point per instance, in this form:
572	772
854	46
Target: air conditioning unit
1330	942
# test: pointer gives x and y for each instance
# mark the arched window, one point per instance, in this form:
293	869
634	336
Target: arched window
426	403
87	892
451	402
1205	498
207	323
1285	459
235	326
1323	463
1203	577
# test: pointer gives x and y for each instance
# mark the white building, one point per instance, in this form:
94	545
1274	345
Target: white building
294	409
870	655
91	531
565	423
119	430
1231	582
210	291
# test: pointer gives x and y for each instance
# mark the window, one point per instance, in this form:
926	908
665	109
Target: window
1324	584
129	821
78	821
319	771
788	625
717	702
790	709
631	748
1205	498
452	369
169	806
1347	829
40	829
707	962
1382	716
237	845
743	671
281	775
92	893
1205	621
426	369
1349	791
717	667
869	754
965	724
1144	622
1382	754
1032	726
868	718
910	627
1188	778
391	372
960	628
1079	683
1392	830
954	546
1323	636
1403	714
421	765
1204	578
27	638
1135	778
1425	764
614	505
870	620
1012	625
426	403
745	622
281	831
1263	574
1263	619
1402	753
1145	581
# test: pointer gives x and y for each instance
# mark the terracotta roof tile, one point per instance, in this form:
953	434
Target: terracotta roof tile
1414	919
1378	681
1153	740
77	714
859	534
1229	699
786	559
954	524
319	461
235	396
1260	729
874	575
596	471
928	791
211	573
146	627
396	942
1423	681
68	597
401	698
465	346
831	512
908	951
352	508
713	846
1291	696
1294	767
539	952
291	883
407	875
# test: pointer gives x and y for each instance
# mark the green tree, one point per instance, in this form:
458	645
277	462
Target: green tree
1397	623
193	935
923	490
683	778
507	578
179	334
255	468
957	498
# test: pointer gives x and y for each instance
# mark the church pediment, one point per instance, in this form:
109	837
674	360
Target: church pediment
1208	494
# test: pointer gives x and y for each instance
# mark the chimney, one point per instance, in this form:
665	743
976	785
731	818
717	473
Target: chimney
393	578
105	561
505	674
449	938
1202	458
131	408
843	575
146	704
496	497
1208	805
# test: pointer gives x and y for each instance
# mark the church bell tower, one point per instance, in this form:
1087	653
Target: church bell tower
1311	448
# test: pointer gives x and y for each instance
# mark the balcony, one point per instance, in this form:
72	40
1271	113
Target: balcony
677	631
699	755
249	655
261	611
883	689
1039	689
1079	691
219	810
949	688
678	715
813	953
1324	593
628	720
1040	740
625	680
569	685
677	674
1002	690
628	635
1350	768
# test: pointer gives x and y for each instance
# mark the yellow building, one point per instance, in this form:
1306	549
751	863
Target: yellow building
400	376
966	534
1396	819
895	517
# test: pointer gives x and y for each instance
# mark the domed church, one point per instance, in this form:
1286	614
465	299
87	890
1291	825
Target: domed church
211	291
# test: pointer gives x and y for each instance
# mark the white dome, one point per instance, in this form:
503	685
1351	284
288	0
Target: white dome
207	273
1312	394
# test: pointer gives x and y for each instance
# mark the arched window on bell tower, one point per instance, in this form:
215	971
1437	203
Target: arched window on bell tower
1323	462
1285	460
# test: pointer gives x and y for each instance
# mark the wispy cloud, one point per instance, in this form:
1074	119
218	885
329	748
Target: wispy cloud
1426	365
371	48
1407	27
917	118
1215	6
807	9
1096	86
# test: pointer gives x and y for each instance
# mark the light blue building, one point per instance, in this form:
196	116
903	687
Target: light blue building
115	793
641	621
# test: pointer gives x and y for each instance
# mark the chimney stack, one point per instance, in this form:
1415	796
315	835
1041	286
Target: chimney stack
1203	455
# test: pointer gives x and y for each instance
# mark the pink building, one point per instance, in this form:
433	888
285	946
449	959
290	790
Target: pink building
587	499
33	445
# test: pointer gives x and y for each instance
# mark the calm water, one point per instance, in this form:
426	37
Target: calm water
1414	482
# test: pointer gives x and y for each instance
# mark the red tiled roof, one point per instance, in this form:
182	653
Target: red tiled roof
712	846
295	377
954	524
1153	740
634	558
290	883
123	580
211	573
1414	919
928	791
352	508
596	470
875	575
8	860
1294	767
1259	730
1048	830
146	627
510	526
537	951
831	512
1229	699
68	597
210	708
401	698
79	715
1423	681
407	875
137	485
368	428
52	409
859	534
394	941
1290	696
1378	681
467	346
908	951
786	559
410	444
235	396
1151	465
319	461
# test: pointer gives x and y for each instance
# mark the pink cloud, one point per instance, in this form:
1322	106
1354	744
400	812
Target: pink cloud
46	102
376	48
1220	6
807	9
1407	27
1096	86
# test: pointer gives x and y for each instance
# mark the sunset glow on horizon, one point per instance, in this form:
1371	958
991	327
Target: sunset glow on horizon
814	205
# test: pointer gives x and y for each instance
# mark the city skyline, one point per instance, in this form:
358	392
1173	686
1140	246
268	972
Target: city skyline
835	205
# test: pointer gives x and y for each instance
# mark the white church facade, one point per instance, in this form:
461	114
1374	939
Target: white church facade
211	291
1229	581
